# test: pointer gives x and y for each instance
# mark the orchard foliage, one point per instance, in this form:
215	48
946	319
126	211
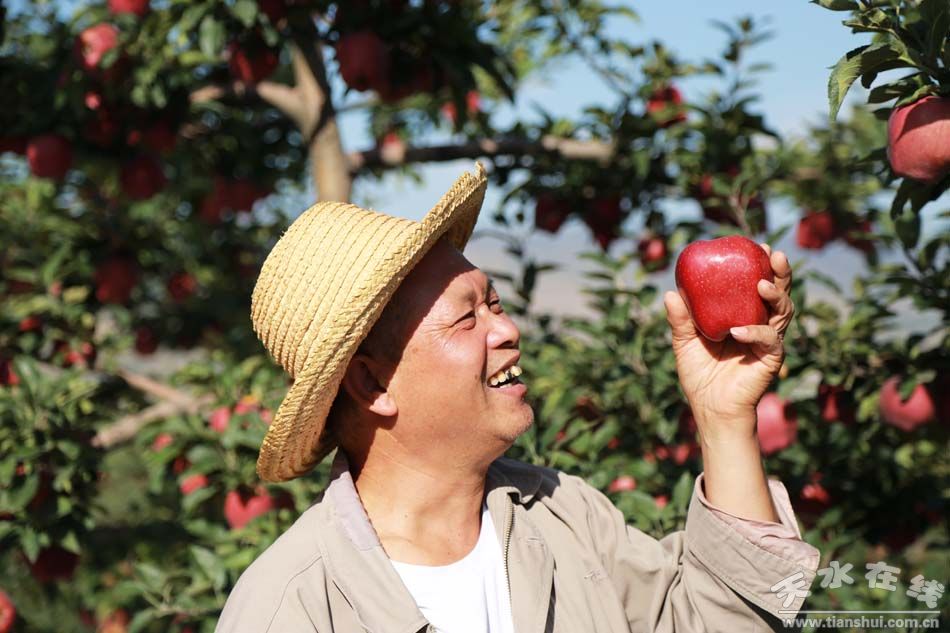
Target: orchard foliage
149	150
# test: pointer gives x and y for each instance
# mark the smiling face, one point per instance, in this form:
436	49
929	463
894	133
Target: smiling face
436	401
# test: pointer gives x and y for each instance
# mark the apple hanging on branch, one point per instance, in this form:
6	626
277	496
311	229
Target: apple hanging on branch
718	280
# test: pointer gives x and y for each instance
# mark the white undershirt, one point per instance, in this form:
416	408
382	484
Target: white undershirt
468	596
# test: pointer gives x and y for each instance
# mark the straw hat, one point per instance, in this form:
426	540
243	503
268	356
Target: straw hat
321	289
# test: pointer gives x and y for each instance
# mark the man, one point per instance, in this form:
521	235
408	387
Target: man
425	526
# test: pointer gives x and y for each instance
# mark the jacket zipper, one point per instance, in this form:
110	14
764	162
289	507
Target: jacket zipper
509	520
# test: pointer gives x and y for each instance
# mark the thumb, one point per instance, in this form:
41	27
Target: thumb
678	316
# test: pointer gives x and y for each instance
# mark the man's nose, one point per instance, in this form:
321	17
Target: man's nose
504	331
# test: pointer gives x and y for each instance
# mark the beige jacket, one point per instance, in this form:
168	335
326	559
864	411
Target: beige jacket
573	565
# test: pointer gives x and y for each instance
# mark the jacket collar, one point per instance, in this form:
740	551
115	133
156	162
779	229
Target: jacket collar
360	567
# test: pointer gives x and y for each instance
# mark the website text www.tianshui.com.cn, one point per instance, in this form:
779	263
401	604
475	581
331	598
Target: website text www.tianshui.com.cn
865	622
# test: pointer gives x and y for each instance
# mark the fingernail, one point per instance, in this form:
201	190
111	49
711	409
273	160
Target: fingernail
738	331
769	284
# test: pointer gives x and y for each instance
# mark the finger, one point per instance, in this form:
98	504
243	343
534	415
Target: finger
780	305
765	336
782	270
678	315
766	248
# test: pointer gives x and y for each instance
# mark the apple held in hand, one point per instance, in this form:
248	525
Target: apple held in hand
718	280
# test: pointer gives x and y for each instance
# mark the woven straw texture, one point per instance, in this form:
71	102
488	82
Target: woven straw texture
321	289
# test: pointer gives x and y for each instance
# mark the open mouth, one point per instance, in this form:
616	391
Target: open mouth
506	378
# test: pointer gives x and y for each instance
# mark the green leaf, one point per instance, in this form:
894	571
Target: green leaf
210	564
683	490
855	63
935	14
837	5
211	36
245	11
907	226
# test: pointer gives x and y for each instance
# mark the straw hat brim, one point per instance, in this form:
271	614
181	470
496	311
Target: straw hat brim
298	438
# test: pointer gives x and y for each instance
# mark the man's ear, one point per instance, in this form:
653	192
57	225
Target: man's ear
363	382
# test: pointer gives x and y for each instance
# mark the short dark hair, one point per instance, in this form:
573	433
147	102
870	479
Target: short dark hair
384	342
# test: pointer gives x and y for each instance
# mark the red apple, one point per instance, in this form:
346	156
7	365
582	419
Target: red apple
653	253
918	139
777	423
182	286
604	217
392	149
115	279
836	404
241	507
7	613
718	281
622	483
550	212
30	323
815	230
142	177
813	500
92	45
664	105
83	356
364	62
162	440
115	622
8	377
661	501
135	7
252	65
54	563
613	444
145	340
906	415
50	156
191	483
219	419
472	103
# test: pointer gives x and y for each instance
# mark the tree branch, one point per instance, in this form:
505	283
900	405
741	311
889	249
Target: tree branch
599	151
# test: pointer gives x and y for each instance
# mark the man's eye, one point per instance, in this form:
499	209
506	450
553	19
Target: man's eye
498	303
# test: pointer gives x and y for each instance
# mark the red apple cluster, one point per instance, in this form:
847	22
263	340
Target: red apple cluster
665	105
818	228
369	63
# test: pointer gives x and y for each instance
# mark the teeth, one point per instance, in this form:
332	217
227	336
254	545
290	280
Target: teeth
507	374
